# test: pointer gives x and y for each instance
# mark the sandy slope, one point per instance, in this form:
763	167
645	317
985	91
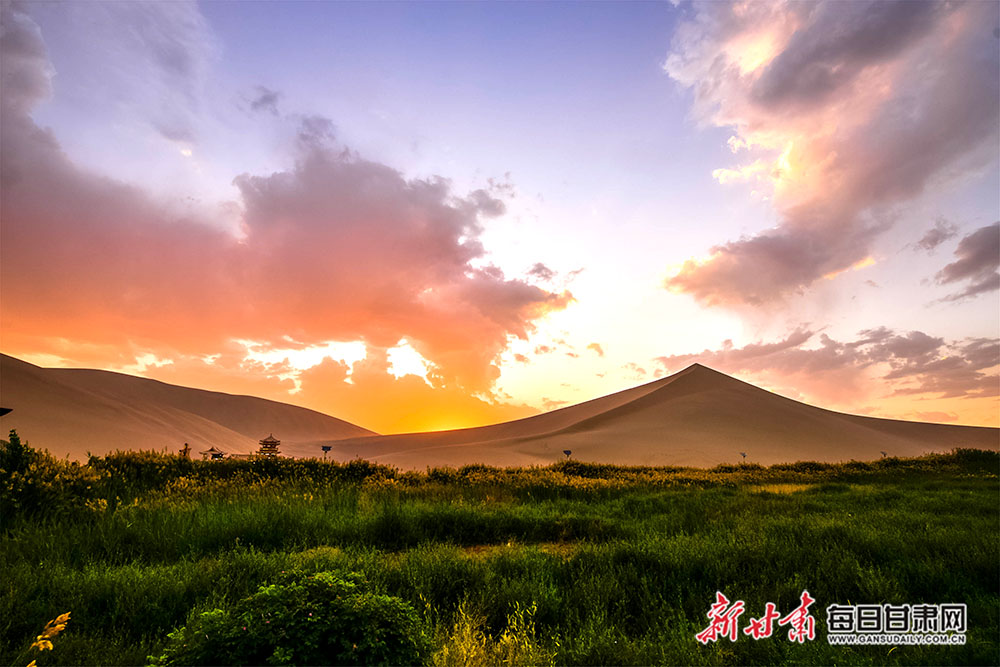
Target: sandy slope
697	417
71	412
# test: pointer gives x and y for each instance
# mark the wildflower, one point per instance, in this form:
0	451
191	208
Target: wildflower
43	642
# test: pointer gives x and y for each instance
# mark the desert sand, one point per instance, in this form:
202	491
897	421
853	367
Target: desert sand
697	417
74	411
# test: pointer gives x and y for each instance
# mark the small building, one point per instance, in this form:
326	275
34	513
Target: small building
213	454
269	446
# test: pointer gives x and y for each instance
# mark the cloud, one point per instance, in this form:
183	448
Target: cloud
552	404
978	260
230	371
406	404
555	345
935	416
265	100
541	272
835	45
637	371
335	247
908	363
846	109
956	371
941	232
759	269
487	204
596	347
24	63
150	60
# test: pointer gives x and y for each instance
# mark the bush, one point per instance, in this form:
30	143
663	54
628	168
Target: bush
323	618
33	483
15	456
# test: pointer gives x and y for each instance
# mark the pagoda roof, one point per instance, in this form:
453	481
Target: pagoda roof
270	438
213	450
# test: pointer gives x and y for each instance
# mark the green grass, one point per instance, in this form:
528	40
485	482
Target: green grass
571	564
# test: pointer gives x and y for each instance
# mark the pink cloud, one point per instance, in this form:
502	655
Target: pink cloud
853	108
335	247
912	363
637	372
936	416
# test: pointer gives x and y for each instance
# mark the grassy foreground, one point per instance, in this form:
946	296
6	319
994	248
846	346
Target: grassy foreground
568	564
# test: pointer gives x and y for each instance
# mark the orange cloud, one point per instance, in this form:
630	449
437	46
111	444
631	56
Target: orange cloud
364	392
336	247
404	404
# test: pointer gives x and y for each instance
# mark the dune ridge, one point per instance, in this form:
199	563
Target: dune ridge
697	417
74	411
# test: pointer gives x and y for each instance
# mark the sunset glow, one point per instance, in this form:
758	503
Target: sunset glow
426	216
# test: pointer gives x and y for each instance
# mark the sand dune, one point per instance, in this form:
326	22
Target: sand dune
697	417
71	411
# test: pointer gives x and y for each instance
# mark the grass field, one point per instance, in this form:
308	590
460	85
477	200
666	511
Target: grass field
568	564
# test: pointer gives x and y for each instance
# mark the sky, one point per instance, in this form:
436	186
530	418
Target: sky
421	216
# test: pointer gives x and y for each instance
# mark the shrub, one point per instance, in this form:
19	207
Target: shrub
15	456
323	618
34	483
